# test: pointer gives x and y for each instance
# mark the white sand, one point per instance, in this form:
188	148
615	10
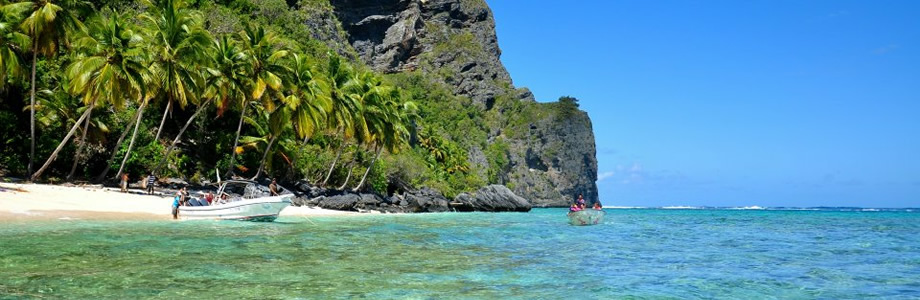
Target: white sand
41	201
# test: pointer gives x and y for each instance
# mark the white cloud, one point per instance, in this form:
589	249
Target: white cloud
604	175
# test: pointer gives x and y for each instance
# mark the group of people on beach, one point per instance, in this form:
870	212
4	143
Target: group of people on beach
579	204
150	182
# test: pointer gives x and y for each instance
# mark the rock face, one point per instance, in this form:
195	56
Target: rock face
557	163
454	42
404	35
494	197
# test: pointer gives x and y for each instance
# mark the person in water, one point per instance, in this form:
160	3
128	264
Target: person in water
175	207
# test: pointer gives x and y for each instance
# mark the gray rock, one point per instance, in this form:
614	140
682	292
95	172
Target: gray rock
345	202
425	200
496	198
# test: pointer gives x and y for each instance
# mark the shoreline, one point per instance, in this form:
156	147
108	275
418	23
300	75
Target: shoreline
30	201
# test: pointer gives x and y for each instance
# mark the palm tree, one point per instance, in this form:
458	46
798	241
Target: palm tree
48	25
109	67
390	120
278	121
12	42
309	99
178	41
344	107
227	78
267	68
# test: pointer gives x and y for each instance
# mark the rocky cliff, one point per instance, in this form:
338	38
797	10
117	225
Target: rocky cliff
454	42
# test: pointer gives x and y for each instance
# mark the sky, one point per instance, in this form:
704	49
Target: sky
732	103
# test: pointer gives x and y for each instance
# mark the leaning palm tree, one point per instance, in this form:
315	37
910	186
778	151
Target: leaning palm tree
278	121
48	24
309	99
391	118
109	67
178	42
344	109
266	60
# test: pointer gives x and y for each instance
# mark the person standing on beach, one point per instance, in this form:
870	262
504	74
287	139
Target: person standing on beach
151	180
124	182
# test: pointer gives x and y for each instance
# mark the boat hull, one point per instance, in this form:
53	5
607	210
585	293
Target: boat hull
265	209
586	217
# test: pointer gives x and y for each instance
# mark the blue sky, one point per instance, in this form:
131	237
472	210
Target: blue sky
733	103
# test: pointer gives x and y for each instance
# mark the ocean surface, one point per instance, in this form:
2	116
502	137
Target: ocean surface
823	253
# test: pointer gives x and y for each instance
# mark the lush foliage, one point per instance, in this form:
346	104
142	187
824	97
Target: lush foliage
190	88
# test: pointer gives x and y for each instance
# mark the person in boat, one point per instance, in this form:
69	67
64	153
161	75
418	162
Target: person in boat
209	197
581	201
273	188
597	205
151	180
574	208
183	196
124	182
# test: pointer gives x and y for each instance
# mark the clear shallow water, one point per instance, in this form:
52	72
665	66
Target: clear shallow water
636	253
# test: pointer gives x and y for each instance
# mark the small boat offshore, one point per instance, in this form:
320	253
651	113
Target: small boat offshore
586	217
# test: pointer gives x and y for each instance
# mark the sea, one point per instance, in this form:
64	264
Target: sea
635	253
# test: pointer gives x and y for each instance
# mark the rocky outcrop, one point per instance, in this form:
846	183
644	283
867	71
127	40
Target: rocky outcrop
497	198
450	35
493	198
557	162
454	42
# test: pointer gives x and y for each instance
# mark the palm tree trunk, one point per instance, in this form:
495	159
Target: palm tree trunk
32	108
76	155
163	120
363	178
63	142
334	161
179	136
347	177
236	142
108	163
264	156
131	143
300	152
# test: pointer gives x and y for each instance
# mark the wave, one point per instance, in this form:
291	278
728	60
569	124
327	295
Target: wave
683	207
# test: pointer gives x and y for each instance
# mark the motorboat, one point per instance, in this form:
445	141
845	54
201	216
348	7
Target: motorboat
237	200
586	217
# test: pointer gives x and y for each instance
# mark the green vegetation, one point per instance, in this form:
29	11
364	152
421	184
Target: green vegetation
240	87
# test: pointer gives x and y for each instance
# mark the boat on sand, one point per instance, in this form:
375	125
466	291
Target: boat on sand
237	200
586	217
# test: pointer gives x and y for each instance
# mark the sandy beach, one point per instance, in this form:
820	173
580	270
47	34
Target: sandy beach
41	201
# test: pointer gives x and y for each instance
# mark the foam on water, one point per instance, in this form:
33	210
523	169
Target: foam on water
636	253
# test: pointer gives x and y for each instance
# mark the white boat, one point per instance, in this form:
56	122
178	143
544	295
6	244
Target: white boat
586	217
237	200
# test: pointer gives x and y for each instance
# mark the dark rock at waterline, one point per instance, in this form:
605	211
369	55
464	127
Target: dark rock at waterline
339	202
425	200
497	198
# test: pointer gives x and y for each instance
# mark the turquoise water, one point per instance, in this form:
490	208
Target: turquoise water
635	253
